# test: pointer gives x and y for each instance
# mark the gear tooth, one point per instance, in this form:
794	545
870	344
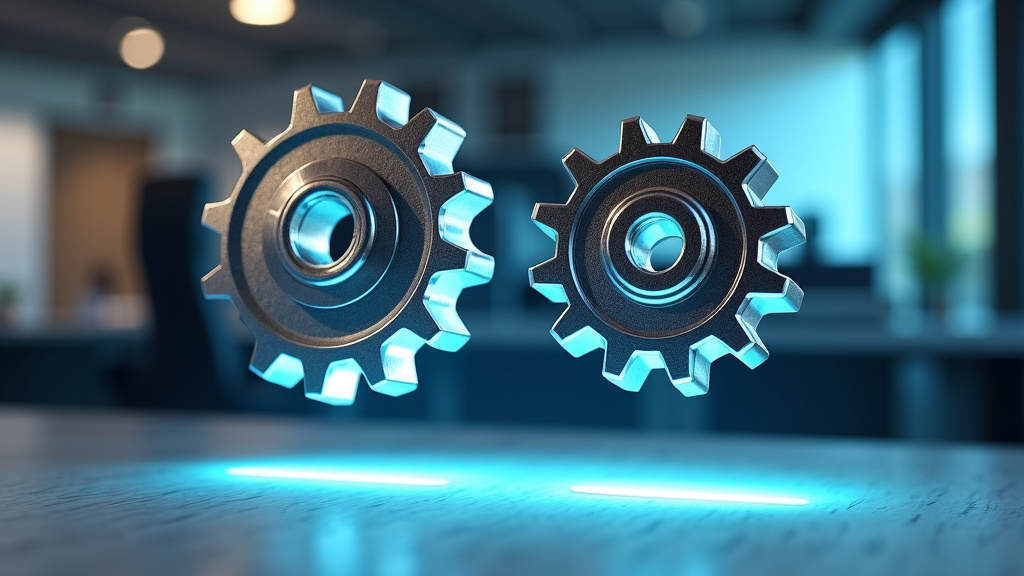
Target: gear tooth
462	185
335	384
547	230
746	160
782	230
450	185
742	340
756	172
310	102
456	214
249	148
452	336
574	333
389	104
772	218
470	267
460	182
464	265
628	369
761	280
546	213
580	165
442	295
398	357
312	378
547	217
734	333
420	124
439	140
217	284
775	294
547	272
421	322
698	134
753	354
702	355
479	269
448	257
216	215
275	367
615	360
368	360
677	364
546	278
635	134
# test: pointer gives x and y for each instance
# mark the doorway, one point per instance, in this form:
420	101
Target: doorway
96	275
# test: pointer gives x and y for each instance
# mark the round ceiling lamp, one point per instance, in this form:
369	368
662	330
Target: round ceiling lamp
141	47
262	12
683	18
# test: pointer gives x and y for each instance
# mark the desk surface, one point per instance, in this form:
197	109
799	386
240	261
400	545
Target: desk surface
105	493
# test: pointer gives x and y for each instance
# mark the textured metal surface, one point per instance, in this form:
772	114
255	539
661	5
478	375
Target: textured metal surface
331	319
707	303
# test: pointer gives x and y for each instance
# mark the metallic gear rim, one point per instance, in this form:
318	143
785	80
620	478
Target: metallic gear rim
385	358
760	289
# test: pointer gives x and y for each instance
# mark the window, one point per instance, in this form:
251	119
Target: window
898	60
968	61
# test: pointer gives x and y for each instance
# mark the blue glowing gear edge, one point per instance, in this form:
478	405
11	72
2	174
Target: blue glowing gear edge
710	301
331	321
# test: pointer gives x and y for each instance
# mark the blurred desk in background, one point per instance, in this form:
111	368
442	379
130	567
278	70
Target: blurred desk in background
69	365
795	334
826	375
114	493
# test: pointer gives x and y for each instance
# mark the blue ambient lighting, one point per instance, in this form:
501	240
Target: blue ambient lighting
688	495
336	476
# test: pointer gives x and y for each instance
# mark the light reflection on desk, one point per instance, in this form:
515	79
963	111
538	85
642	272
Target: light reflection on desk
98	494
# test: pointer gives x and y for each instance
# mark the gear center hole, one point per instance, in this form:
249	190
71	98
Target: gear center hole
322	228
654	242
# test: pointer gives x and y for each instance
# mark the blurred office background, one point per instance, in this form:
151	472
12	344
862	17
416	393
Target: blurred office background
895	125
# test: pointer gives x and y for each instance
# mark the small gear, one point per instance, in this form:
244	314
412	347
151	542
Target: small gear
330	317
686	313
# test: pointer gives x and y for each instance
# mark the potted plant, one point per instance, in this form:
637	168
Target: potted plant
8	302
936	264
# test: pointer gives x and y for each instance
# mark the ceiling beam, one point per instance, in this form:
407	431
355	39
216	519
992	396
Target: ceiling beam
550	20
408	20
846	20
91	27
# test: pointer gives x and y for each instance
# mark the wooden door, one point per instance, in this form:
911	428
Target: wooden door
96	187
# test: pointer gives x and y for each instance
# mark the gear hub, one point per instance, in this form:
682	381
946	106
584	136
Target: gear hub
330	312
682	309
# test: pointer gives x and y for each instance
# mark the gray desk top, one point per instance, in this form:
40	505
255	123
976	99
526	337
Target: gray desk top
103	493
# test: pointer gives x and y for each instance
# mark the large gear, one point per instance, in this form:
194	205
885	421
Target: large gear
707	303
331	318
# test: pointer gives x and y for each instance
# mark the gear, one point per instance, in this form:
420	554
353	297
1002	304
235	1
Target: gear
708	298
330	317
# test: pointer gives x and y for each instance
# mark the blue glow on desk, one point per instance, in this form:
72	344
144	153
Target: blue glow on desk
336	476
702	496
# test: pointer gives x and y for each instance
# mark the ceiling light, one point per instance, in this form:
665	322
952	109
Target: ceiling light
141	47
683	18
262	12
